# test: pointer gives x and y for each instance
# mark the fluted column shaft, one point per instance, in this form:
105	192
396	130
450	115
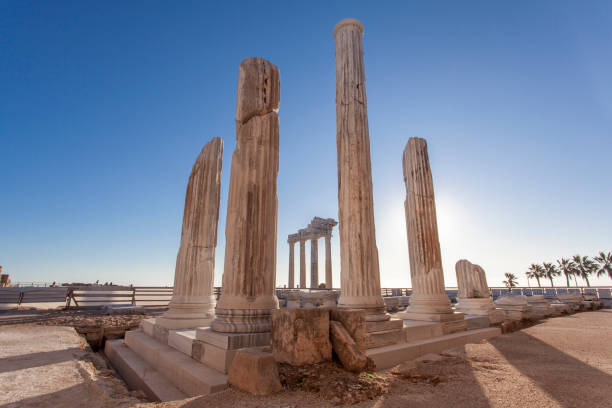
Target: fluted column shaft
328	262
314	263
428	293
193	300
359	275
302	264
291	265
249	277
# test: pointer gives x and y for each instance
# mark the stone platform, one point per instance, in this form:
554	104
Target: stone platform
389	356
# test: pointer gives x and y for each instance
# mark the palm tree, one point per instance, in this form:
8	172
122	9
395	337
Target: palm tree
604	264
584	266
550	271
536	271
529	275
511	281
567	268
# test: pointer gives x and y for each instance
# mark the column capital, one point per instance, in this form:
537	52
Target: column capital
348	22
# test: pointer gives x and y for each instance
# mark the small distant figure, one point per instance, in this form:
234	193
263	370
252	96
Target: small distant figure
105	283
322	286
54	284
98	282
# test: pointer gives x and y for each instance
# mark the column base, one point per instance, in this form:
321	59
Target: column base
374	306
430	317
475	306
241	320
185	323
188	312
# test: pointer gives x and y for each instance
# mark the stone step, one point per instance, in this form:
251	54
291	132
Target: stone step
389	356
139	375
190	376
384	325
476	322
384	338
182	340
420	330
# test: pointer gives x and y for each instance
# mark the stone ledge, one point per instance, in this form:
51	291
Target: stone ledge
232	341
389	356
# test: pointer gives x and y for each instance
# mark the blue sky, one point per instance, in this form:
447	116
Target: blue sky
104	107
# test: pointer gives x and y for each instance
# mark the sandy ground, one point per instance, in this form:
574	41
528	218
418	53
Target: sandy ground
562	362
52	367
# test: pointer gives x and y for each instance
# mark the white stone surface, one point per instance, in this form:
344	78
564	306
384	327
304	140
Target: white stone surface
181	340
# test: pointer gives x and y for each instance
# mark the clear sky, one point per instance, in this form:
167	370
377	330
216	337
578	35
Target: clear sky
105	105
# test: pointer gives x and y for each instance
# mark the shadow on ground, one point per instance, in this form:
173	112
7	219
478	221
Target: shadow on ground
570	381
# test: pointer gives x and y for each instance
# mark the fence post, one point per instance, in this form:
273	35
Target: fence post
133	295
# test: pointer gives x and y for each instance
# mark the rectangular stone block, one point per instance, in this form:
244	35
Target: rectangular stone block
212	356
147	326
384	325
300	336
384	338
232	341
181	340
254	371
476	322
454	326
160	334
430	317
416	330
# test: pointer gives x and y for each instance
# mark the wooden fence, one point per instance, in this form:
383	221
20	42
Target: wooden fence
157	296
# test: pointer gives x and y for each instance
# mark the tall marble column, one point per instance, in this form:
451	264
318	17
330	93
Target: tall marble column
291	265
359	275
249	277
328	263
314	263
429	300
193	301
302	263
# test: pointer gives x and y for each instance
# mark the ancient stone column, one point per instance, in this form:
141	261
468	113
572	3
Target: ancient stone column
302	264
314	263
193	301
328	263
249	277
474	296
429	300
359	275
291	265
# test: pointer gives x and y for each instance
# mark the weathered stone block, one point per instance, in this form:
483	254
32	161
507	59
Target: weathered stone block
254	370
258	89
349	353
300	336
160	334
354	322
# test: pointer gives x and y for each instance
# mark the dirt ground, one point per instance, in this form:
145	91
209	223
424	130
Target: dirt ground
562	362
